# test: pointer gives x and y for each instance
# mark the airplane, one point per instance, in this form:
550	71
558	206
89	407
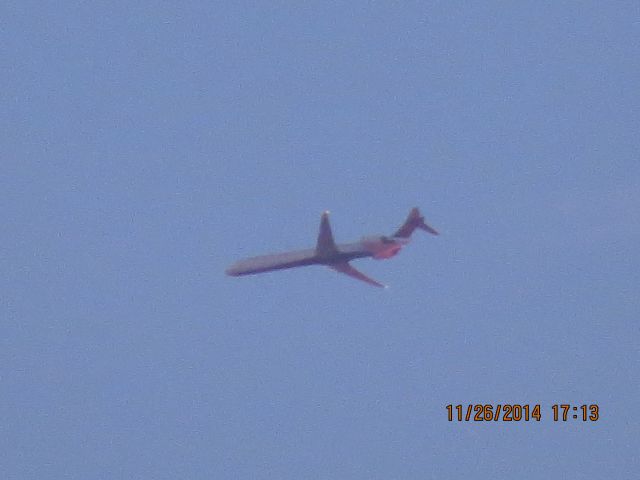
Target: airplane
337	256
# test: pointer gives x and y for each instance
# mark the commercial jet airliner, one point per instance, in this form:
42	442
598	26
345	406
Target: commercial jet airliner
335	256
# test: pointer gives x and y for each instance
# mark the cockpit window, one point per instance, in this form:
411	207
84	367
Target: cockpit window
386	239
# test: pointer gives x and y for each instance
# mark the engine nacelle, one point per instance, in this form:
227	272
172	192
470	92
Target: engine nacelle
387	252
383	247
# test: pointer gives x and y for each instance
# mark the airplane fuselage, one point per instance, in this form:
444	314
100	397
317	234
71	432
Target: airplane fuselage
378	247
336	256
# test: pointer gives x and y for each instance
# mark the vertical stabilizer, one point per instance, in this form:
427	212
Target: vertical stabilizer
413	221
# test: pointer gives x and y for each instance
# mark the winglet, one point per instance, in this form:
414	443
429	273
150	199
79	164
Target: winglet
413	221
325	245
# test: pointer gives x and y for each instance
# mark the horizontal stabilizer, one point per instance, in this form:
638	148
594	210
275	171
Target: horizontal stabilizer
413	221
347	269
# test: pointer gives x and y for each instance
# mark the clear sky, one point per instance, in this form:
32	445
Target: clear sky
146	146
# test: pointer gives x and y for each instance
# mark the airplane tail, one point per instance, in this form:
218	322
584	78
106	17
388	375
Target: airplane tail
413	221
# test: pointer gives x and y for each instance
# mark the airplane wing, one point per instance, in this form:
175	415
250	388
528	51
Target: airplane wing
347	269
326	245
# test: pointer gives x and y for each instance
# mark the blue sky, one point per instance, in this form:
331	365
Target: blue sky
146	147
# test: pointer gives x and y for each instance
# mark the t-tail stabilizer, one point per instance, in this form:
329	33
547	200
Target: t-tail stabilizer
413	221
